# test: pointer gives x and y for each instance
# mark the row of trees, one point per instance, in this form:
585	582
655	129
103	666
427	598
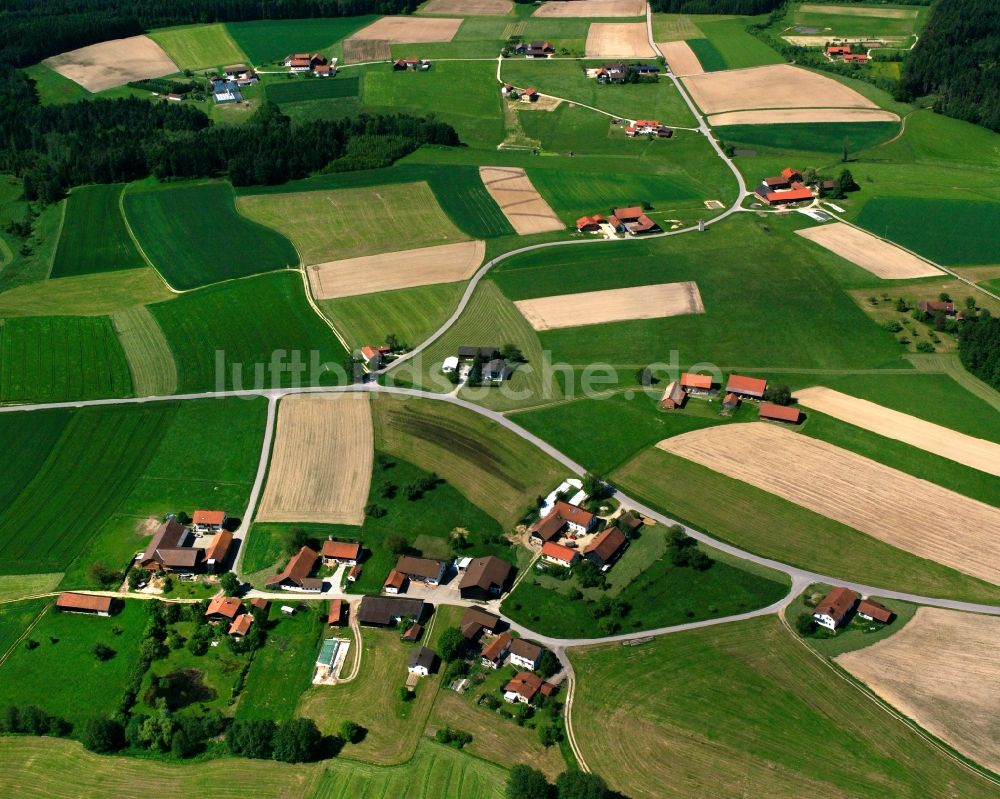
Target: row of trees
525	782
749	7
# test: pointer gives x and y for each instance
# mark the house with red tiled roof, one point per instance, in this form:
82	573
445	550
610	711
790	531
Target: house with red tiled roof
742	386
590	224
496	650
223	608
835	608
335	613
694	383
241	625
856	58
772	412
215	555
208	521
874	611
838	49
563	516
529	95
559	555
525	686
606	548
69	602
337	552
395	583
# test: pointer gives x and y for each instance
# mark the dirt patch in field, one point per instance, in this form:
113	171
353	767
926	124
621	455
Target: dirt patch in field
869	252
321	465
396	270
543	103
855	11
775	86
592	8
115	63
146	527
469	8
977	453
791	115
681	58
892	506
519	200
618	40
364	51
942	671
613	305
410	30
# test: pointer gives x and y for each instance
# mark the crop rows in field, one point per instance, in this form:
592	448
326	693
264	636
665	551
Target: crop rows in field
303	89
94	237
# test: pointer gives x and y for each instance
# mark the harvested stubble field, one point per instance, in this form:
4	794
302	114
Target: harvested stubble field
879	257
618	40
802	115
591	8
406	30
858	11
773	86
115	63
954	530
612	305
975	452
370	274
469	8
347	223
519	200
321	466
681	58
942	671
364	51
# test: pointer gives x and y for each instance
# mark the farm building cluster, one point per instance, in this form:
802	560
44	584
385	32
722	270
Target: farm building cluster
202	546
738	388
480	364
316	63
849	53
411	65
837	608
648	127
619	72
568	534
535	49
631	220
784	189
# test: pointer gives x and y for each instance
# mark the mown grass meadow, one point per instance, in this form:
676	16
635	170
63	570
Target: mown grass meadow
94	237
268	41
311	89
199	46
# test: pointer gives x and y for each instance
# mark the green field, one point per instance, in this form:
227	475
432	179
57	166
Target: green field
15	617
29	438
251	322
306	89
59	358
832	22
99	456
752	713
62	676
53	88
18	586
328	226
86	295
708	54
194	236
951	232
94	237
737	48
199	46
409	314
810	137
267	41
771	526
150	360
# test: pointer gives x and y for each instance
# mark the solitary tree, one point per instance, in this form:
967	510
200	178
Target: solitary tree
778	393
579	785
297	741
844	155
396	544
102	651
229	583
351	732
525	782
451	645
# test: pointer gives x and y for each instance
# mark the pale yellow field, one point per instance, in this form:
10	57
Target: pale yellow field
396	270
519	200
613	305
681	58
892	506
855	11
150	359
869	252
775	86
591	8
943	671
321	464
786	115
975	452
469	8
114	63
618	40
403	30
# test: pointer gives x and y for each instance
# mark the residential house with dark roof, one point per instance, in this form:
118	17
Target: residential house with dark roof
475	622
421	661
485	578
295	576
384	611
538	49
497	370
469	353
422	570
524	654
937	306
835	608
170	549
606	548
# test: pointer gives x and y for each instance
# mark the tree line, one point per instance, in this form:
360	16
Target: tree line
979	347
747	7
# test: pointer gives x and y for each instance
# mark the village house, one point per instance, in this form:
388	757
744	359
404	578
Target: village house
240	626
633	220
421	661
785	180
303	62
524	654
558	555
730	402
937	306
170	549
628	524
261	604
874	611
525	686
838	49
354	574
70	602
216	553
413	633
611	73
562	517
507	89
223	608
395	583
335	613
467	353
208	521
385	611
485	578
496	650
696	384
856	58
475	622
536	49
835	608
422	570
673	397
648	127
324	71
590	224
410	64
241	73
772	412
606	548
335	553
496	371
783	190
529	95
746	387
226	91
295	576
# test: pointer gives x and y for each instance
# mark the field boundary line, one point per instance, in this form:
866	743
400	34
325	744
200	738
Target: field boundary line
34	623
930	739
138	246
316	309
243	532
55	250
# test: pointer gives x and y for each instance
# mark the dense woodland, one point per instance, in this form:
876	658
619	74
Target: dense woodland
958	59
979	348
716	6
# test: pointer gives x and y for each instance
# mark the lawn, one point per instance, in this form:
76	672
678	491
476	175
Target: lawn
773	527
709	57
409	314
199	46
311	89
826	137
737	48
327	226
661	595
268	41
753	712
94	237
86	295
15	618
62	676
99	457
16	586
282	669
951	232
53	88
61	358
252	323
394	727
194	237
502	478
741	266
